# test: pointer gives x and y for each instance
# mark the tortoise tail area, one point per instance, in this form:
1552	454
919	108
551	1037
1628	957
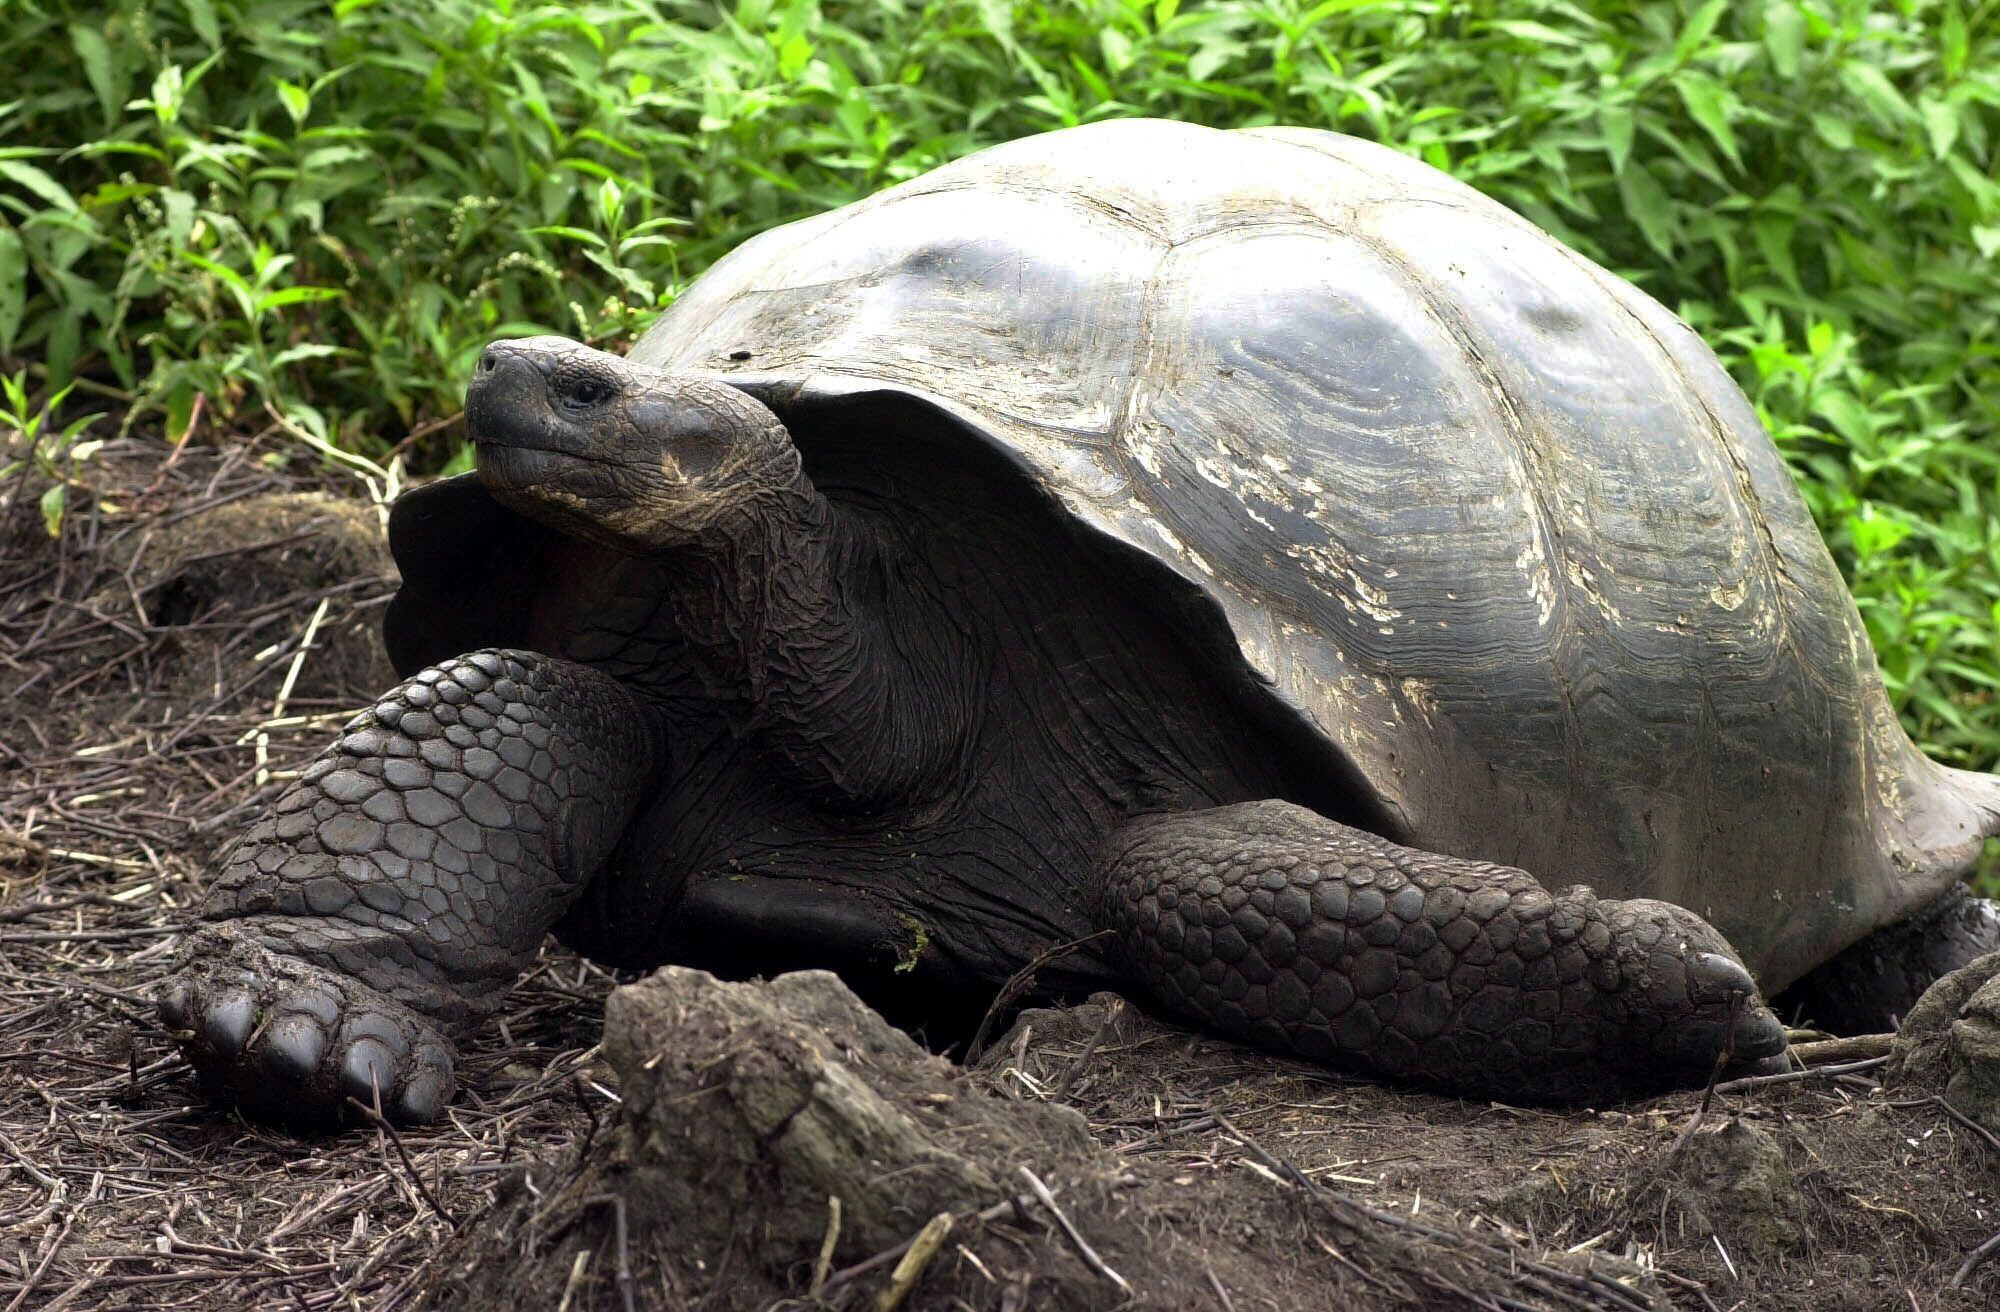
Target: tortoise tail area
1954	817
1872	985
1982	792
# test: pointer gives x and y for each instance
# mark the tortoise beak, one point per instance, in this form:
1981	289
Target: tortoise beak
505	398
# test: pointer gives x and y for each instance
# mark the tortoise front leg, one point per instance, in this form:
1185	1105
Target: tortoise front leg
1270	922
401	885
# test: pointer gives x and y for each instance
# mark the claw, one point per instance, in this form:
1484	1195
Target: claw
423	1098
320	1003
226	1026
173	1002
293	1048
367	1067
1714	977
374	1025
1759	1035
287	1041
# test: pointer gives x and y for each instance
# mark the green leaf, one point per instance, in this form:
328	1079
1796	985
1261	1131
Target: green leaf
13	287
304	351
294	296
180	412
1987	239
1874	533
1941	125
1539	33
1211	56
179	206
1774	238
1878	95
1649	206
793	56
1785	37
1117	48
1835	132
53	502
33	179
1618	125
1848	416
169	86
998	18
1952	42
1709	103
1328	8
107	194
201	17
95	54
295	99
583	235
1699	28
230	278
328	156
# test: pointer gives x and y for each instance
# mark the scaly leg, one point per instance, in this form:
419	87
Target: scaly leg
401	885
1268	921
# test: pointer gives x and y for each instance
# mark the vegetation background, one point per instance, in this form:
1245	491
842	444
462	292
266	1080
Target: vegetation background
216	217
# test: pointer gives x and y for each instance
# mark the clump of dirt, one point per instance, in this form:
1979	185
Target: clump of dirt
781	1141
1731	1184
1254	1180
219	567
1950	1045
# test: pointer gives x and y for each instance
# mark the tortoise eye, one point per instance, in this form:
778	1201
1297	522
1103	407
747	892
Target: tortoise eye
584	392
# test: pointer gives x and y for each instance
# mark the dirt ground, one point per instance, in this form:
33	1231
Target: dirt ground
179	651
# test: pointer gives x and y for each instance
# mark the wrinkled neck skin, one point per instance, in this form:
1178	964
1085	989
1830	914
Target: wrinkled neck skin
828	649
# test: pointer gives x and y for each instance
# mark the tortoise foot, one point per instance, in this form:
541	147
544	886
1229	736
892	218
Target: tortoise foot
290	1041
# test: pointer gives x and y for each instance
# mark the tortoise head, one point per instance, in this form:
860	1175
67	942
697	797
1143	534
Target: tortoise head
626	456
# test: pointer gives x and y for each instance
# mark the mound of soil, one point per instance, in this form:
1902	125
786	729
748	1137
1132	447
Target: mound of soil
224	566
779	1145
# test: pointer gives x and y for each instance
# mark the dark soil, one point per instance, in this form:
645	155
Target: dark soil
142	658
1210	1176
143	655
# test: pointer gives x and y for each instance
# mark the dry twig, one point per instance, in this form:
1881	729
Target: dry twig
1071	1233
1017	984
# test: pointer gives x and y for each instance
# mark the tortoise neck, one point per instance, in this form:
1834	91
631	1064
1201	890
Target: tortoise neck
798	622
763	577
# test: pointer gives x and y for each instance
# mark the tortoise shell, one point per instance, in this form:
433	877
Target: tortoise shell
1489	522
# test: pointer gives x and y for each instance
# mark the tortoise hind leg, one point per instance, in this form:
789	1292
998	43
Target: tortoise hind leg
1272	923
401	884
1870	988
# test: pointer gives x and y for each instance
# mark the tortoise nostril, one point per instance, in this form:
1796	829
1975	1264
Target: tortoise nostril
486	361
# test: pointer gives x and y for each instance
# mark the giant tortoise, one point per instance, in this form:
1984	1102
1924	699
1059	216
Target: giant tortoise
1252	557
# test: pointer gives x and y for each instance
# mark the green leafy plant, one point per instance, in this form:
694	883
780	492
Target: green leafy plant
34	442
